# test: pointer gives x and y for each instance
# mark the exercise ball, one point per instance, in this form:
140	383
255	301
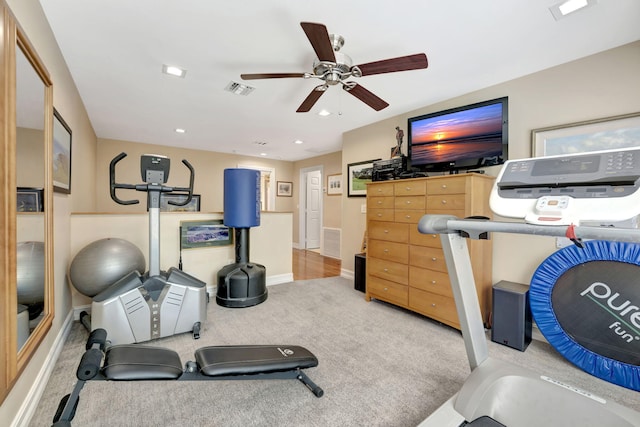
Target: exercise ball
30	272
102	263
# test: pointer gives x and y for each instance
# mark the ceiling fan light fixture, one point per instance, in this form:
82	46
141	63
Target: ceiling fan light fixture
174	71
298	141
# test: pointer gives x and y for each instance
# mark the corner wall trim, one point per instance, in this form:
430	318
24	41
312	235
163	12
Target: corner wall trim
30	403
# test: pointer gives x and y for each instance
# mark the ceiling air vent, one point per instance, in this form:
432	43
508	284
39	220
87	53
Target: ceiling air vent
239	88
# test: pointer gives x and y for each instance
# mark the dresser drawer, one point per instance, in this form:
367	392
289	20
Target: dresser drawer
447	185
409	216
380	214
380	189
388	270
380	202
433	305
391	231
417	238
410	202
446	202
387	291
391	251
426	257
433	281
410	188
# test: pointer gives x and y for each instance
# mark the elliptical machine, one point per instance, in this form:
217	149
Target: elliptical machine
158	304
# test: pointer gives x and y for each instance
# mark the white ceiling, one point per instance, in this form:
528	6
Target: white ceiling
115	50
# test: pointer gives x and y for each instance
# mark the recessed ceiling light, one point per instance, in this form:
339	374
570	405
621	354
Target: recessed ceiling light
173	71
324	113
297	141
564	8
263	154
179	130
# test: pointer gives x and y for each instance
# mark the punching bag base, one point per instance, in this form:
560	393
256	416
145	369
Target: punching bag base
241	285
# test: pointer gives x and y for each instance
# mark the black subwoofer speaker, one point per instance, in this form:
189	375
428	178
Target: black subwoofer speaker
511	324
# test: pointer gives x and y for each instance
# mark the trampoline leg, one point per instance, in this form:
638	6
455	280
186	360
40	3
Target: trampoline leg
304	379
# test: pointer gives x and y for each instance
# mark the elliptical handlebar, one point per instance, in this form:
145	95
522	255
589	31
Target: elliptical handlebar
189	189
113	185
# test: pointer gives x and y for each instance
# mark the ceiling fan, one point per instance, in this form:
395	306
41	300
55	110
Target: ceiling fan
334	67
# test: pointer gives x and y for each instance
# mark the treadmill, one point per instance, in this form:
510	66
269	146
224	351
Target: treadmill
580	196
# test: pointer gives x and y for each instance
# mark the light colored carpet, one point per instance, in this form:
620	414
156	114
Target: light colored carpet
379	366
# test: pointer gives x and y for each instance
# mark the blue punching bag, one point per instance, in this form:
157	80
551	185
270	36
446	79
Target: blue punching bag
241	198
243	283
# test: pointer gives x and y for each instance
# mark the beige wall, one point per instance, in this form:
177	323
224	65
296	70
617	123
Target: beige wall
29	157
209	174
331	205
598	86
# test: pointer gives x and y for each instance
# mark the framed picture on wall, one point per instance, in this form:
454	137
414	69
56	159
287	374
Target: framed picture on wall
285	188
205	233
593	135
30	199
359	174
334	184
61	154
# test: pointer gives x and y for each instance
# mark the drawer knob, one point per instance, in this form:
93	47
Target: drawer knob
386	231
379	202
434	235
433	282
434	259
408	188
386	289
444	202
386	250
379	215
433	305
408	202
386	270
408	216
444	185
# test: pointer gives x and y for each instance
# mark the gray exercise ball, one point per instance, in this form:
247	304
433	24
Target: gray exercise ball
102	263
30	272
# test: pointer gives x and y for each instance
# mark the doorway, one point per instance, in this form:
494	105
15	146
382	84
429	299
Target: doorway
310	207
267	186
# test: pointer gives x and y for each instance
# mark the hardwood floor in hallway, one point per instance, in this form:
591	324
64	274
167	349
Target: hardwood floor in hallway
311	265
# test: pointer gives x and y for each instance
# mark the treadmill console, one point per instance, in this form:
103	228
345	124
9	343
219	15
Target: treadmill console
566	189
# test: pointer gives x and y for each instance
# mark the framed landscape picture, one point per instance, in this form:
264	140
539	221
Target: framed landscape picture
359	174
205	233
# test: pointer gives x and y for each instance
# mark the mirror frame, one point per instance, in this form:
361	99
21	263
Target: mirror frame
12	360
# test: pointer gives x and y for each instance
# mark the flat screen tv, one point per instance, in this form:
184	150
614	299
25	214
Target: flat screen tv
469	137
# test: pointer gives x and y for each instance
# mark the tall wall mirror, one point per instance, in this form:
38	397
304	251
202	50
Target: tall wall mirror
26	290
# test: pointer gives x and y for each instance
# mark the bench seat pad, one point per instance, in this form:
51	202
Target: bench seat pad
252	359
139	362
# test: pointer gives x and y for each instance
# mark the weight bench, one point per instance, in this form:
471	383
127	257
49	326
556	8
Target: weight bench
132	362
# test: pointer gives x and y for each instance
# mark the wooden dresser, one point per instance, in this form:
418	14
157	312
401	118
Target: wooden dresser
407	268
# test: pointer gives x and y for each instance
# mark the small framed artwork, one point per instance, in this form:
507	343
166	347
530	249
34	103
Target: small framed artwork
192	206
359	174
30	199
202	234
61	154
285	189
601	134
334	184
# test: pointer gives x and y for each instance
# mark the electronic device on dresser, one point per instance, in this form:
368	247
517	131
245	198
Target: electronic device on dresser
385	170
463	138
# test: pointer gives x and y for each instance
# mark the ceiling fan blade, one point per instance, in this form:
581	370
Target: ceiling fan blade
319	38
270	76
311	99
403	63
365	96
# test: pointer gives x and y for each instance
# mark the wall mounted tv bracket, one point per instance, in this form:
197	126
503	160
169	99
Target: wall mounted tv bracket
564	190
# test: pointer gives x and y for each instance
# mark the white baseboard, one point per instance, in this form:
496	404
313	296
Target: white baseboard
279	278
30	403
347	274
